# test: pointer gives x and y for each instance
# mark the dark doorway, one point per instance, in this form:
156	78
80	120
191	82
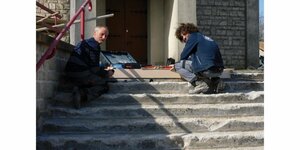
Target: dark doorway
128	27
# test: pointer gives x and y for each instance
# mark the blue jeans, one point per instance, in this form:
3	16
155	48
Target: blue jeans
184	68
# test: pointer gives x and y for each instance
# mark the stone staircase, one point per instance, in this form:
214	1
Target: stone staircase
160	115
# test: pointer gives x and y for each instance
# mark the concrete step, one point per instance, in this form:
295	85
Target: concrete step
234	86
241	75
151	141
64	98
153	125
143	110
159	99
237	148
179	87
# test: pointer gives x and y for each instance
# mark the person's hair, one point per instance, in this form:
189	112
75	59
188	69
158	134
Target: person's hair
185	28
101	26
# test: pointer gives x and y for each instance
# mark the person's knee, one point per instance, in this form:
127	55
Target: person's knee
178	66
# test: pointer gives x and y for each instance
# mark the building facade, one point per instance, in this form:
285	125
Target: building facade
146	28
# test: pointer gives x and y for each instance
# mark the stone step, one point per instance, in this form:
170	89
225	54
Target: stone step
179	87
151	141
247	75
159	99
238	148
153	125
64	98
143	110
234	86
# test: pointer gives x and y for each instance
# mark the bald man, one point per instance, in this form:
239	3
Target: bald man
83	69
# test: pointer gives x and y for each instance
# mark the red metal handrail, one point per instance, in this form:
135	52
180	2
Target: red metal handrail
51	50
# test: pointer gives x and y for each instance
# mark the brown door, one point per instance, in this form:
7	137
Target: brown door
128	27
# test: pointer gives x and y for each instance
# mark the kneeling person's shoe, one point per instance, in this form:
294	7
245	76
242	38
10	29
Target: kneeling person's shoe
201	87
76	97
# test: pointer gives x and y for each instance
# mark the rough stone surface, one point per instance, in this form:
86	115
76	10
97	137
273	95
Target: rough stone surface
179	87
129	120
158	125
50	73
226	22
157	141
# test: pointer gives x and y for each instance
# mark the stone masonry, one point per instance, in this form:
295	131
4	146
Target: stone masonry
61	6
226	22
49	75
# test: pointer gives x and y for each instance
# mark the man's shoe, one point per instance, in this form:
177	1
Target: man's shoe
76	97
201	87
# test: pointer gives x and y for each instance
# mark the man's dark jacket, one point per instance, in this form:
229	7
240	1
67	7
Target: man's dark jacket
204	52
84	60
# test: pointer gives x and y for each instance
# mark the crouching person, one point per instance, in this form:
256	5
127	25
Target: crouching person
83	70
200	62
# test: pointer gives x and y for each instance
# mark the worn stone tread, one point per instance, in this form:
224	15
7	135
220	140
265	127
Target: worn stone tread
179	87
144	110
235	148
154	125
158	115
64	98
152	141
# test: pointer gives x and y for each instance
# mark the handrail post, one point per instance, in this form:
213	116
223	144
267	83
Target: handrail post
82	27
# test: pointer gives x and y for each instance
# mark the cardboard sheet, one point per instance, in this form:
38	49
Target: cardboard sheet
140	73
154	74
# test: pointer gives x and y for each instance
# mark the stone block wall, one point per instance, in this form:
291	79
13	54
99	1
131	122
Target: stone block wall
49	74
226	22
61	6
